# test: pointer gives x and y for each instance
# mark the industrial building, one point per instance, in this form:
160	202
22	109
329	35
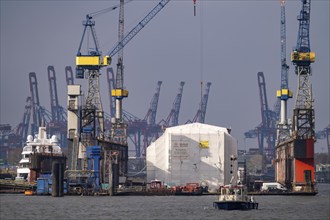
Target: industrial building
192	153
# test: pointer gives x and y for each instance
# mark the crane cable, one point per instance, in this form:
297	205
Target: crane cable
201	51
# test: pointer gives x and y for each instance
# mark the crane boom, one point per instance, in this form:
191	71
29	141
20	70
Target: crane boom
173	118
69	75
138	27
151	114
53	94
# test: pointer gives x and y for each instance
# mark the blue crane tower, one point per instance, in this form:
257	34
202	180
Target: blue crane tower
302	57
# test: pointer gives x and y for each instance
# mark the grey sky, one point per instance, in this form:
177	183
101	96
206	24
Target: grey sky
226	43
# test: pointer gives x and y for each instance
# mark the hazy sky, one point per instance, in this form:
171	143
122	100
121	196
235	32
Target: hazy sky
226	43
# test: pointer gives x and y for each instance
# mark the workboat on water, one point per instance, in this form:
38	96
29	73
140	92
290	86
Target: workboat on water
234	196
39	144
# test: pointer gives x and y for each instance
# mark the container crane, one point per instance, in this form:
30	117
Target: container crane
152	130
58	123
16	137
150	117
200	115
267	128
295	157
39	113
325	134
173	118
69	75
23	127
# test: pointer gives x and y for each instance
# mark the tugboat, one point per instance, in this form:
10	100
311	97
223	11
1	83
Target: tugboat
234	196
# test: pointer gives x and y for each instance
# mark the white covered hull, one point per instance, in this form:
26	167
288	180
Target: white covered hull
192	153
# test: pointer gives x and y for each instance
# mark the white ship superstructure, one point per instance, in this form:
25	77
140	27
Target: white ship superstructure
39	144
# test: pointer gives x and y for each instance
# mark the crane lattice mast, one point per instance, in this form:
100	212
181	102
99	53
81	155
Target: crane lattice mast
283	128
302	57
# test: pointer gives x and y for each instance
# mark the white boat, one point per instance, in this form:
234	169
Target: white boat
39	144
234	196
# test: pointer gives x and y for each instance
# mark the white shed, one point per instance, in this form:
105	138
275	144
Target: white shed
192	153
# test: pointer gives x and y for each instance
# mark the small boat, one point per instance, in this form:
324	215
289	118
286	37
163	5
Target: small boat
234	196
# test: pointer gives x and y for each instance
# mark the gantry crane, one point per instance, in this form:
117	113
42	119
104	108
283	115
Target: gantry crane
39	113
153	129
69	75
295	157
16	137
58	123
201	112
23	127
325	134
173	118
266	130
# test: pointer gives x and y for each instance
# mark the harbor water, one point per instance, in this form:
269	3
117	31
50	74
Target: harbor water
19	206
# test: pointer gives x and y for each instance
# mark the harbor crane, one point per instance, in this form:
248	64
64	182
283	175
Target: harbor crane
69	75
16	137
294	161
39	113
90	115
325	134
23	127
91	63
58	122
153	129
302	57
266	130
173	118
283	127
201	112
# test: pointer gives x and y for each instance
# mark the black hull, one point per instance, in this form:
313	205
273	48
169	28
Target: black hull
235	205
282	193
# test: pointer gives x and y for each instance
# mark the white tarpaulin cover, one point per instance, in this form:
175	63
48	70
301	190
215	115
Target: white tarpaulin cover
192	153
